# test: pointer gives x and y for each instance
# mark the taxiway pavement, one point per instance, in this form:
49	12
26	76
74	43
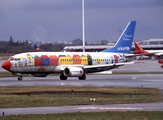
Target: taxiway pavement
114	80
134	80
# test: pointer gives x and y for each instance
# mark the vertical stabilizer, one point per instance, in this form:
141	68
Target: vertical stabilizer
124	43
139	49
37	49
137	46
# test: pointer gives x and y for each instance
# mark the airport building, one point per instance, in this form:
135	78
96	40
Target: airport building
151	44
87	48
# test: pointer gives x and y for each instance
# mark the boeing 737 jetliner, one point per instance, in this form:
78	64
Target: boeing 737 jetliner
73	64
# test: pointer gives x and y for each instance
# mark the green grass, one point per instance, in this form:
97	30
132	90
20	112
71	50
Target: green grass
59	96
9	74
109	115
4	57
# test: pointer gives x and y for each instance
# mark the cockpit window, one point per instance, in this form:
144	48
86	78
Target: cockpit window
11	58
15	59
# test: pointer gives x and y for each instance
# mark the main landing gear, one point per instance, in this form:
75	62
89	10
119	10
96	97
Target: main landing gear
20	78
83	77
63	77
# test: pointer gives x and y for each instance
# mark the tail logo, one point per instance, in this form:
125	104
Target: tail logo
127	37
123	48
139	46
37	49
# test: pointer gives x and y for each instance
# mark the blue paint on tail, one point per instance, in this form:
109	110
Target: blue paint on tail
124	43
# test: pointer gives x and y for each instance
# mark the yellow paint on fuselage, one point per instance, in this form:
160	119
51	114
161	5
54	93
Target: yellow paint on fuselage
65	60
84	60
30	60
21	62
98	60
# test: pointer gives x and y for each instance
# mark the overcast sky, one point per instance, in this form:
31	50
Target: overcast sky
61	20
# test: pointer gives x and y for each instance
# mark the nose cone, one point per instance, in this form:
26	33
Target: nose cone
6	65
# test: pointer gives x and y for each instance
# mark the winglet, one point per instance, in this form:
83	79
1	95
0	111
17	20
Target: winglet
124	43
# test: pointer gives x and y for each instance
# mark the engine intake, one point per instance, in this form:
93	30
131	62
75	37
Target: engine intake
73	72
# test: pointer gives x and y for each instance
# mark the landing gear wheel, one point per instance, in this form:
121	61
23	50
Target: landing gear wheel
83	77
63	77
20	78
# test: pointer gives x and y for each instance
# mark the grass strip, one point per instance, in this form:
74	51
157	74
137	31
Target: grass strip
109	115
12	97
4	57
9	74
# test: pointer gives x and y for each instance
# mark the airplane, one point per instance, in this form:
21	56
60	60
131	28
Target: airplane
151	53
73	64
37	49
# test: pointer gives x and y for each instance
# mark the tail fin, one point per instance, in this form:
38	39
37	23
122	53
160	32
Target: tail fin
37	49
137	46
124	42
139	49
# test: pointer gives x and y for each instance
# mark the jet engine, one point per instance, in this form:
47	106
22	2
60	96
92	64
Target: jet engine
73	72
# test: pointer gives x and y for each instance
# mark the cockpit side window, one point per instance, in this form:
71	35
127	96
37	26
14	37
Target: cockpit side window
15	59
11	58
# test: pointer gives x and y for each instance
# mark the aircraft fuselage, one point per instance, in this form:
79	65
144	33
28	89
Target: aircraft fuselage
48	62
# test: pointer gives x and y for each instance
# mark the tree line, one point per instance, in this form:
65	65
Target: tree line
11	47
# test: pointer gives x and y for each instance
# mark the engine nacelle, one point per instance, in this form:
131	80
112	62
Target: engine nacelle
73	72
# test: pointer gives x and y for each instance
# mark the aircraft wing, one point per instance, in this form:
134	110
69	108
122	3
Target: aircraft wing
93	68
107	65
99	68
130	57
133	55
159	54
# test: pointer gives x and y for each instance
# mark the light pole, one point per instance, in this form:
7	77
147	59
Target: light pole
83	25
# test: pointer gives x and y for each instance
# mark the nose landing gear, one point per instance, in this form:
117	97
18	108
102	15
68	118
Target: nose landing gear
20	78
